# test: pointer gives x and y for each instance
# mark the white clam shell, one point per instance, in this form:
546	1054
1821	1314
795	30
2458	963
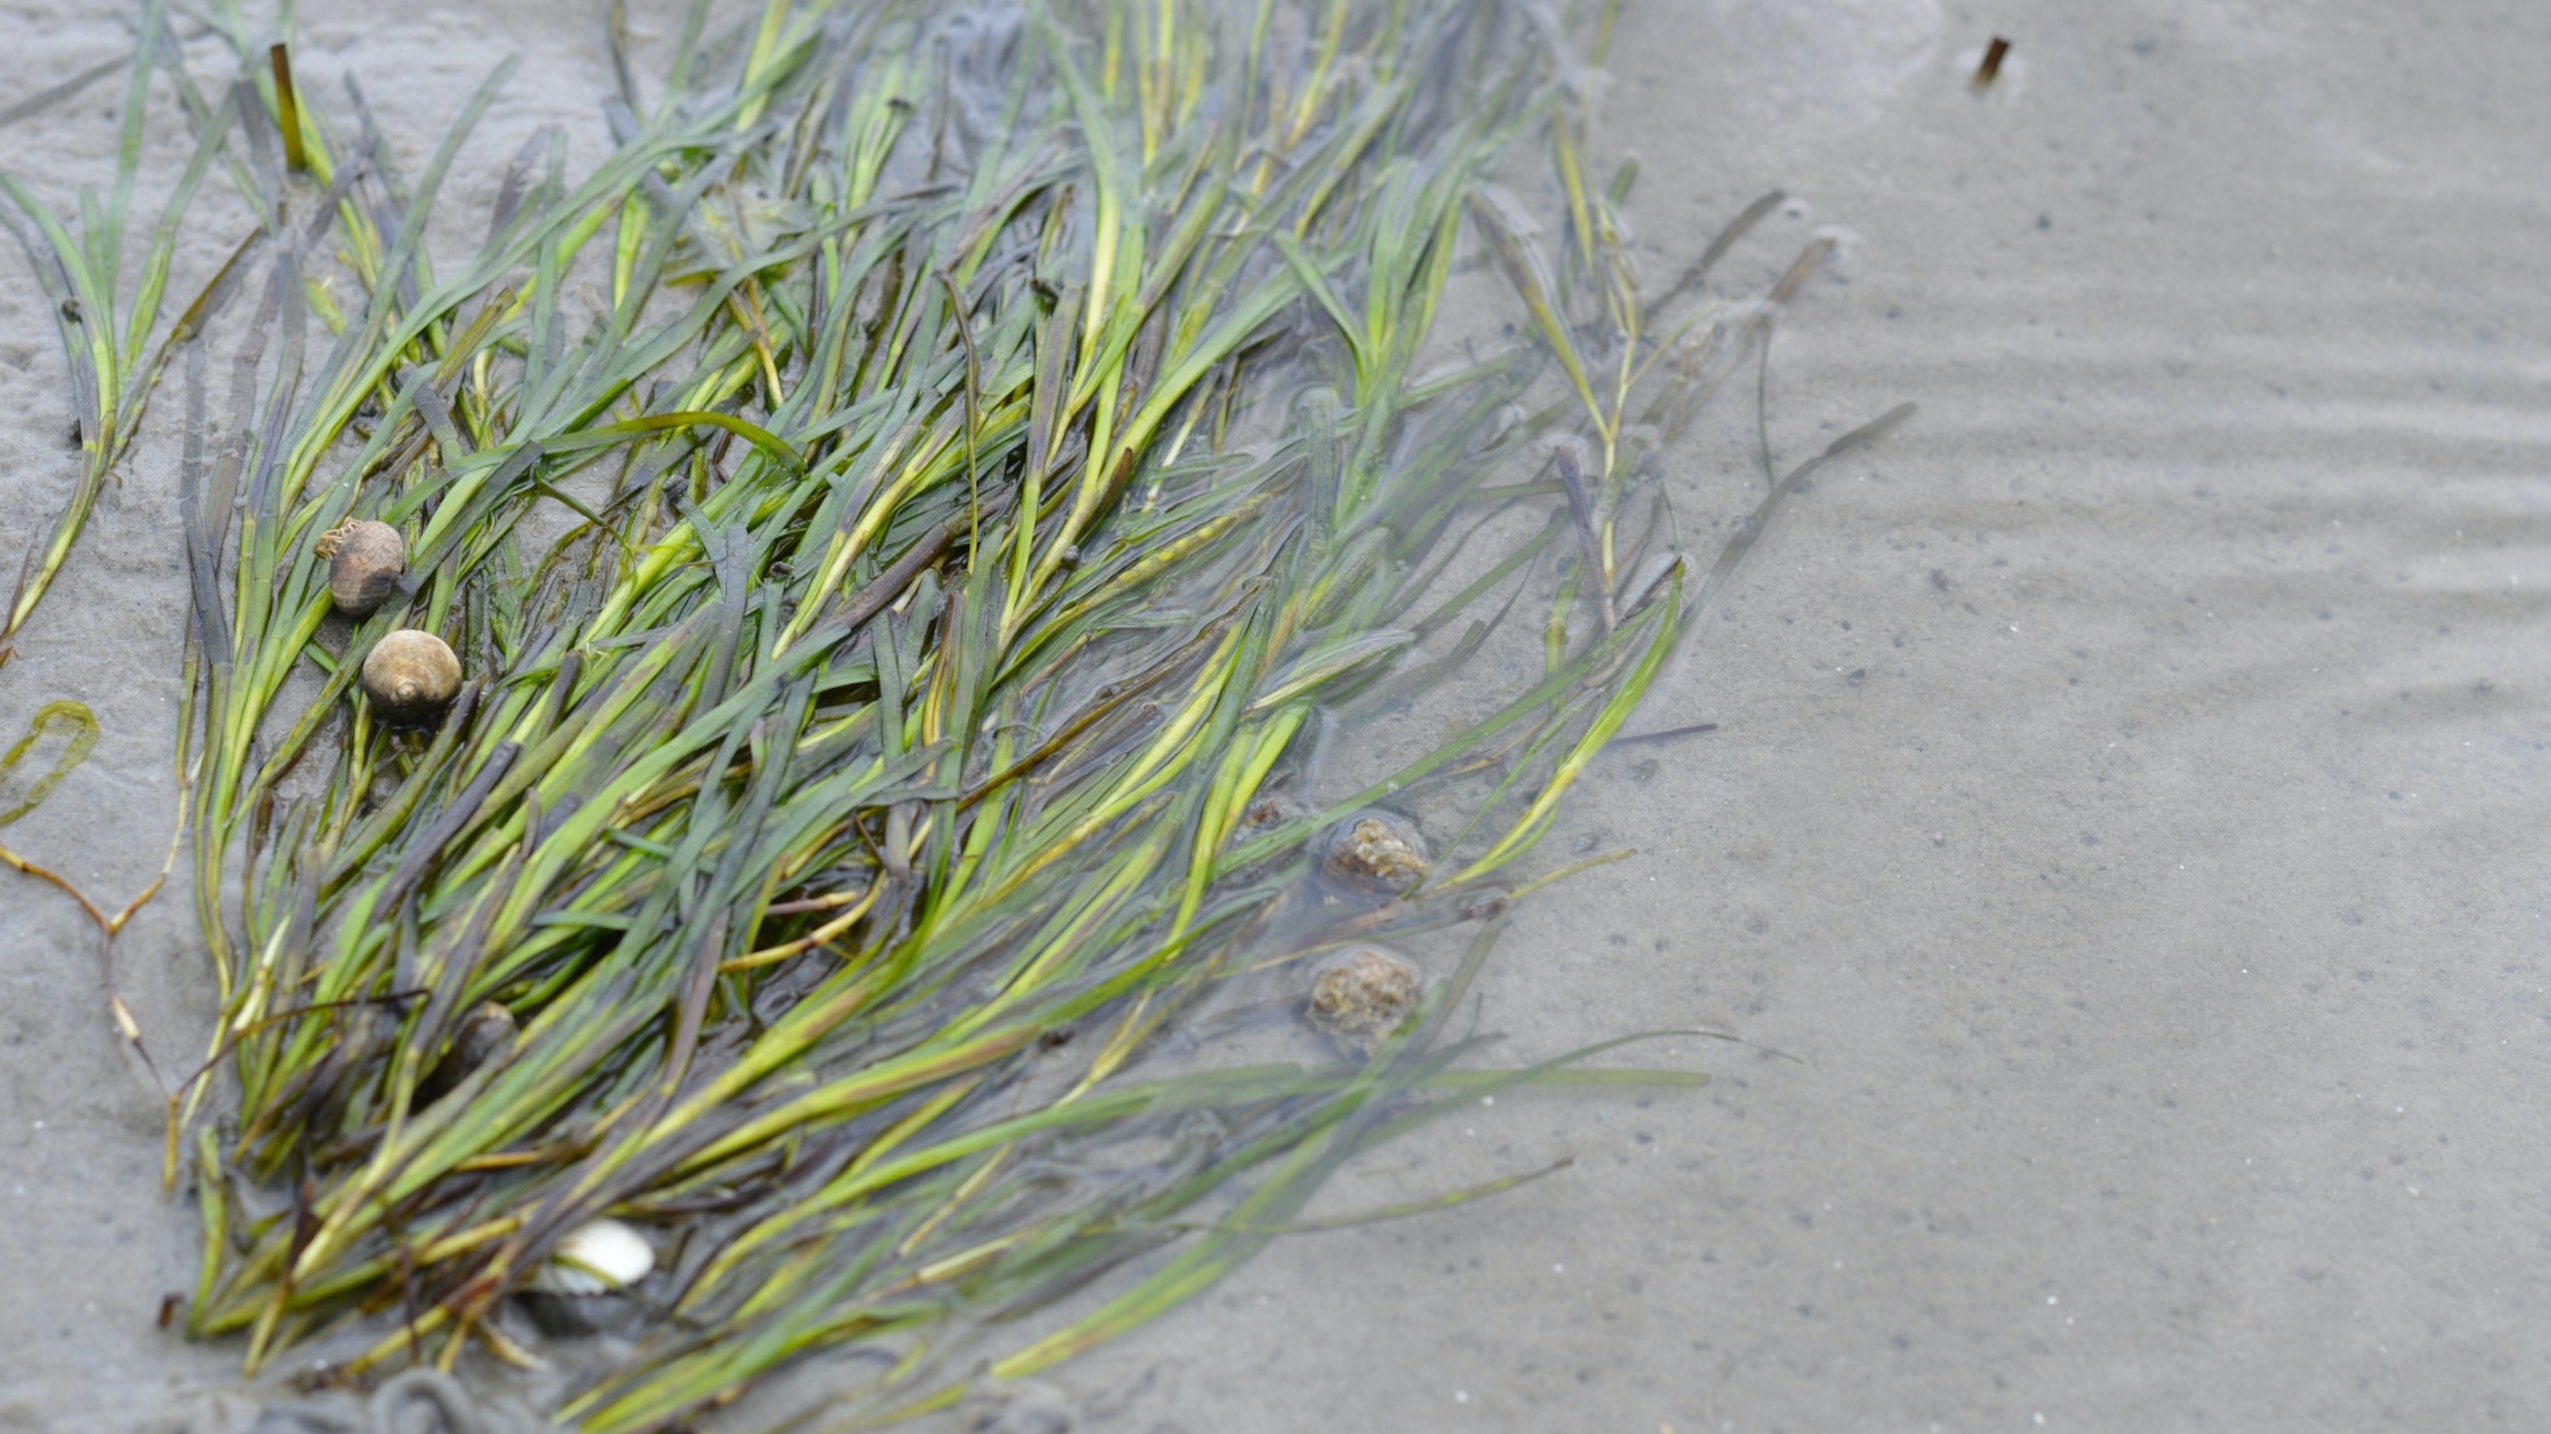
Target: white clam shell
596	1259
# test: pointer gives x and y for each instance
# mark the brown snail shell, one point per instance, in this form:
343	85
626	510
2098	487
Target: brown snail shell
1364	995
1377	852
411	677
365	561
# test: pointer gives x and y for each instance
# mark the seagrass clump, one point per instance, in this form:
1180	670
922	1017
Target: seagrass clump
900	517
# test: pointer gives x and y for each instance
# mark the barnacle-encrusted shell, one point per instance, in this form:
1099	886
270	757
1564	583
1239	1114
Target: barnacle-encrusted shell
365	561
596	1258
411	677
1377	852
1364	995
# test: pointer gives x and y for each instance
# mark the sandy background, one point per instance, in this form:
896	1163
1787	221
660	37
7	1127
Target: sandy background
2128	803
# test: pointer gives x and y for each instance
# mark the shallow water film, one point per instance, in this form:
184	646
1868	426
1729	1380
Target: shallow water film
2107	810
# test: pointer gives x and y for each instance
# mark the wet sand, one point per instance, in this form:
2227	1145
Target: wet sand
2126	804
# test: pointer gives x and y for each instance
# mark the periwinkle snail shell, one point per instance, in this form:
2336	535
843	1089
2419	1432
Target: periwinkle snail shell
365	562
411	676
1377	852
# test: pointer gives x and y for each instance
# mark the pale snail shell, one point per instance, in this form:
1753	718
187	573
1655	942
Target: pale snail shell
1363	996
599	1257
411	676
365	562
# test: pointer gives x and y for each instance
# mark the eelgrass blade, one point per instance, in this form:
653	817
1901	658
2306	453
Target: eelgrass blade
113	369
